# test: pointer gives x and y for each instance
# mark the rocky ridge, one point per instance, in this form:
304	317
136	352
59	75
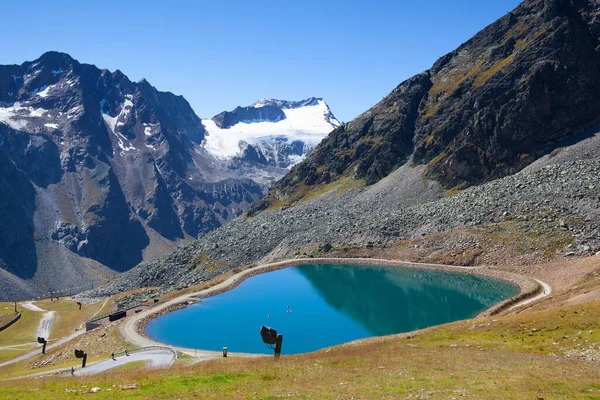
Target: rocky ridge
100	173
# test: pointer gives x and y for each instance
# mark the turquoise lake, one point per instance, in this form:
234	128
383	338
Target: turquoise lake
316	306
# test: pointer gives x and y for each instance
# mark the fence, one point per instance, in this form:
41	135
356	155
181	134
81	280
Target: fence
7	320
69	291
122	353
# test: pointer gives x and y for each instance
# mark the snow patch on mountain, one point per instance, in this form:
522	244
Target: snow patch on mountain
15	115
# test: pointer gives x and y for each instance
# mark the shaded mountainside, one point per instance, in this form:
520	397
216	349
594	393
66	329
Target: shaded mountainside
484	111
503	101
99	173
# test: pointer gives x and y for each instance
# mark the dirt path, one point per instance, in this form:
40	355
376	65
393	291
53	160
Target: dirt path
156	358
43	330
546	292
96	313
129	327
45	325
50	346
32	307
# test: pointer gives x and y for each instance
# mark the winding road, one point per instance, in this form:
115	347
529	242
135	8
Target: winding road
161	356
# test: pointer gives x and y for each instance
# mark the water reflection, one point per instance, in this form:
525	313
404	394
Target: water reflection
386	301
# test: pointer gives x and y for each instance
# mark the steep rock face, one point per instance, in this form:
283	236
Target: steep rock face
100	166
227	119
17	202
486	110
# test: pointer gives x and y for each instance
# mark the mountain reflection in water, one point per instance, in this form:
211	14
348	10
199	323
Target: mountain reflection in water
316	306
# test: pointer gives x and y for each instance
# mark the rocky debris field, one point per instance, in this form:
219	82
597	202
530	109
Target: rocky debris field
561	195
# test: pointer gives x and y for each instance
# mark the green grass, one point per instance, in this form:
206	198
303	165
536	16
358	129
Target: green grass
20	333
495	358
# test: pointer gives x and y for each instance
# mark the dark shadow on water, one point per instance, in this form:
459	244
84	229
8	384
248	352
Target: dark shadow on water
386	301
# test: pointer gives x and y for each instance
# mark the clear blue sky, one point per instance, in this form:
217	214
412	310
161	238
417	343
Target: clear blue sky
220	54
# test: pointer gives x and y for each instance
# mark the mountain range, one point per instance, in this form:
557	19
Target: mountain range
99	173
489	157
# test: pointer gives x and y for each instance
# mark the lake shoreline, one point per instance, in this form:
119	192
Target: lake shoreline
133	329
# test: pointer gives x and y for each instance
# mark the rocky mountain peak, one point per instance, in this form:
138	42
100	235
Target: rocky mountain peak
116	169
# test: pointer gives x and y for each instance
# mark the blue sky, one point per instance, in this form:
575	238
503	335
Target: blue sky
221	54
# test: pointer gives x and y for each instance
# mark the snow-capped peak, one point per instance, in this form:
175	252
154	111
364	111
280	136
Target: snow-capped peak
304	124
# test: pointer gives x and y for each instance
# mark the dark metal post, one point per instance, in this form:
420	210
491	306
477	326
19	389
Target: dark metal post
81	354
278	344
43	342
